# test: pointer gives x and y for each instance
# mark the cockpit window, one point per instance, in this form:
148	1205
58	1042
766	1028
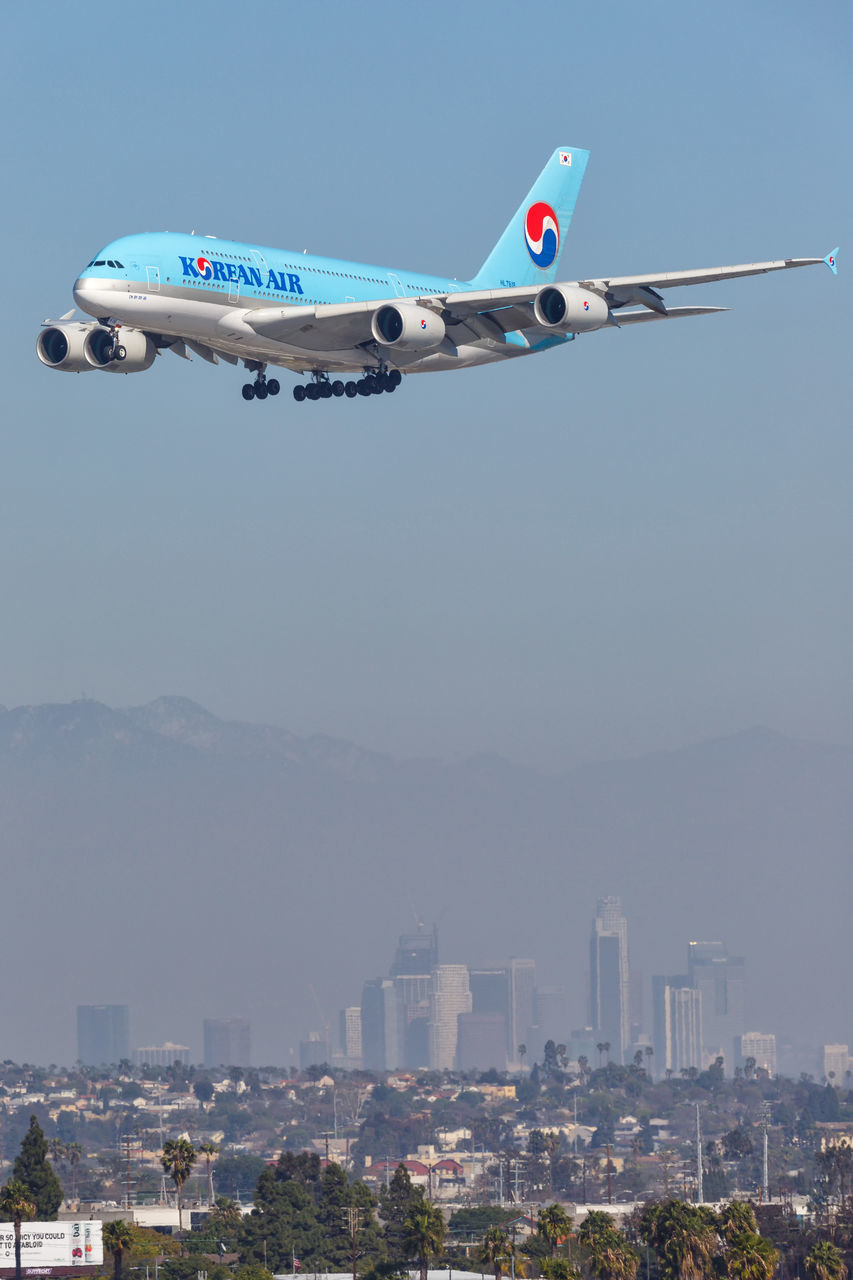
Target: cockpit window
100	263
118	264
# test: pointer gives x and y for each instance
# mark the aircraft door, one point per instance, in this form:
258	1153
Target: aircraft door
234	289
153	274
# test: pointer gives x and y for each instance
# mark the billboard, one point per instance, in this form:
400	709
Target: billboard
45	1245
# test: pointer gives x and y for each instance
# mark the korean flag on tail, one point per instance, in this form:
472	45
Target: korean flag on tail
566	158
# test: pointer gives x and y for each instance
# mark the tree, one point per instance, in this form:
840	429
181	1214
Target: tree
34	1170
554	1224
750	1257
737	1218
397	1202
425	1235
496	1251
177	1160
118	1237
824	1262
209	1149
683	1236
609	1255
16	1206
203	1090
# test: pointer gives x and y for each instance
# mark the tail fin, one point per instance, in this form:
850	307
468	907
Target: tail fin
529	250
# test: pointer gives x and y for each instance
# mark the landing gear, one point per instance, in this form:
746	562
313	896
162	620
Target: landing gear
257	390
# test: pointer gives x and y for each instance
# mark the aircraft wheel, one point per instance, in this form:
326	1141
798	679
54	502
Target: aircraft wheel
248	391
362	387
395	377
299	393
390	386
120	353
337	388
273	386
350	390
325	390
312	391
375	385
260	391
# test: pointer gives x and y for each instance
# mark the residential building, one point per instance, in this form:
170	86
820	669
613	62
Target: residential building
163	1055
103	1034
835	1061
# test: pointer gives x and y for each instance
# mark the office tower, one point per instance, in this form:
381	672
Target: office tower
414	961
163	1055
103	1034
522	989
350	1036
677	1026
835	1061
380	1036
552	1016
720	979
609	978
760	1046
312	1052
450	996
227	1042
489	991
482	1042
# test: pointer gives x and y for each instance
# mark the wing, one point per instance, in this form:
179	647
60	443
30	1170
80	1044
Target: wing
479	314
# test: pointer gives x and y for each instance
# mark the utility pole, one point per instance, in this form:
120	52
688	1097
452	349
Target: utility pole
700	1191
609	1185
352	1217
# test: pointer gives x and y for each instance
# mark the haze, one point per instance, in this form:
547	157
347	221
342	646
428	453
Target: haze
635	544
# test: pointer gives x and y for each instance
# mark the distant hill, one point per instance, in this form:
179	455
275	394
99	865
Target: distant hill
193	867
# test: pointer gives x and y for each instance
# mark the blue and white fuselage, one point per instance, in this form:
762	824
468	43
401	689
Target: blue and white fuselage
222	299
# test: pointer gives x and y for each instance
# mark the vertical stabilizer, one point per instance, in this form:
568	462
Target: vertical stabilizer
529	250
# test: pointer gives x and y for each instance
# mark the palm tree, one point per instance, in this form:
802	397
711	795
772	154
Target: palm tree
496	1250
650	1053
751	1257
177	1160
610	1256
118	1236
683	1236
424	1234
17	1207
737	1218
824	1262
522	1054
73	1154
209	1149
553	1224
600	1048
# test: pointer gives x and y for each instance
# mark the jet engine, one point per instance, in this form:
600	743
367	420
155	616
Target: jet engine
131	352
411	328
60	346
78	346
570	309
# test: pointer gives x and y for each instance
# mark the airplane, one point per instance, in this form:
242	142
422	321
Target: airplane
321	317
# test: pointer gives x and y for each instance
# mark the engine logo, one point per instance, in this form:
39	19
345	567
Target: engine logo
542	234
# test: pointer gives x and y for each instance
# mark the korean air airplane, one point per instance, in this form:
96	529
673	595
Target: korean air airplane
352	329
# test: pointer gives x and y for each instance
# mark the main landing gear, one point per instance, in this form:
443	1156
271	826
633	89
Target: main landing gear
262	386
372	384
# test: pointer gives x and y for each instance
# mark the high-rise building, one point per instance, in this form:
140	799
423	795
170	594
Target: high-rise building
380	1026
313	1052
522	993
482	1042
227	1042
350	1036
760	1047
416	953
720	979
103	1034
835	1061
414	961
609	978
677	1025
163	1055
450	996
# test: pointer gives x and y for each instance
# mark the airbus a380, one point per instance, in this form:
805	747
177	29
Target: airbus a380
354	329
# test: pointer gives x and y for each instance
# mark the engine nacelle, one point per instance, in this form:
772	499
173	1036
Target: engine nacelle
411	328
61	346
131	352
570	309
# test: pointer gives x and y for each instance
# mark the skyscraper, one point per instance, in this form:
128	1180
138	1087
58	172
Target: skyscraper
380	1026
227	1042
350	1036
720	979
677	1025
450	996
522	994
414	961
760	1048
103	1034
609	978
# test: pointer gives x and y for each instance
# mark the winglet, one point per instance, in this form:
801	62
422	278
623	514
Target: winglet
831	261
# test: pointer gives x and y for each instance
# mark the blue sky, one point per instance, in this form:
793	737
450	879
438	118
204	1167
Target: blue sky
631	543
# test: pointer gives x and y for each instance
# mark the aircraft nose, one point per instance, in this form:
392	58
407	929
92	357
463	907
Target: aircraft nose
83	293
